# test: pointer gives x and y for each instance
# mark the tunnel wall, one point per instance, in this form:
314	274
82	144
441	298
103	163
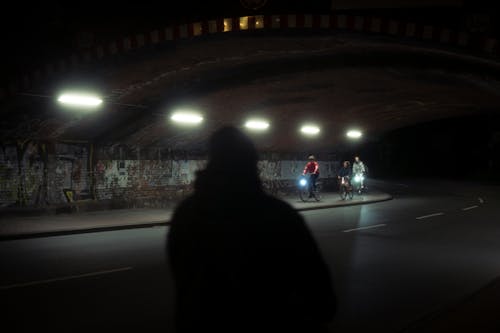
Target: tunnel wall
37	174
40	174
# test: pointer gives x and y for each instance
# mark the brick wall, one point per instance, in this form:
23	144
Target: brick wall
35	174
9	180
21	175
39	174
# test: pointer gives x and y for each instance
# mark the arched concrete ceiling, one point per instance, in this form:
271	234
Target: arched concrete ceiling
337	80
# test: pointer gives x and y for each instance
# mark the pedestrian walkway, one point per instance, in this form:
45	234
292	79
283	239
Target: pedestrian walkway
15	227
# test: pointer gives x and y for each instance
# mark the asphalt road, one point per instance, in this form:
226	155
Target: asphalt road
392	263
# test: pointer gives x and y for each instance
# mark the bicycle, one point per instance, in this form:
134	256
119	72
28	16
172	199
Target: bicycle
304	184
345	188
359	186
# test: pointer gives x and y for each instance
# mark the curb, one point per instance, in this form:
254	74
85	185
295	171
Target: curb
81	231
158	223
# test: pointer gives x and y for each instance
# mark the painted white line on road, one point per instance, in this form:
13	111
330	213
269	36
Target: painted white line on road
64	278
469	208
430	215
363	228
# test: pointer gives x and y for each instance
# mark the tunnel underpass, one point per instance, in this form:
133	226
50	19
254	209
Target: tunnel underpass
86	196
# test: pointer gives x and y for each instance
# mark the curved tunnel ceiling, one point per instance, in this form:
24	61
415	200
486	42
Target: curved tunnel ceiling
337	80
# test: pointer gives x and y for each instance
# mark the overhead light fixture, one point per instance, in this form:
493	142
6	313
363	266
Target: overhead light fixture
80	99
189	118
257	124
310	129
354	134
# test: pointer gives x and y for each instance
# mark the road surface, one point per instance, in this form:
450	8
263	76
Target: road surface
393	263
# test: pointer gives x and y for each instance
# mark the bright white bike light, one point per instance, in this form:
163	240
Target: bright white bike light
303	182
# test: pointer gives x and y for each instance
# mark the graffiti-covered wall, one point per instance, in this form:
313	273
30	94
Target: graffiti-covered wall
68	170
21	174
9	180
38	174
289	170
145	182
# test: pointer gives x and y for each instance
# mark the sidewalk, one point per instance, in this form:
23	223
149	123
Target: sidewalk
18	227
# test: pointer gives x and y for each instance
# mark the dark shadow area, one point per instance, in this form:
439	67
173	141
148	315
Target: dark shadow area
464	148
243	261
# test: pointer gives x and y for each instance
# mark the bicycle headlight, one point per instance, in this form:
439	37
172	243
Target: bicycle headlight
358	178
303	182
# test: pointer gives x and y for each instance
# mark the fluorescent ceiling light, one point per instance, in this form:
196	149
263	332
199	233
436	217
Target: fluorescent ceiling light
187	118
310	129
257	124
80	99
354	134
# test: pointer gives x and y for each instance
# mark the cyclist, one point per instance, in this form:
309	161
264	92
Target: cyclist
312	167
359	169
345	171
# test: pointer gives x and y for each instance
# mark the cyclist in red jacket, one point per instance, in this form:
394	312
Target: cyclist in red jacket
312	167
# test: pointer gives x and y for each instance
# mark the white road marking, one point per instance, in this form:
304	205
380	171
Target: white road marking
64	278
471	207
363	228
430	215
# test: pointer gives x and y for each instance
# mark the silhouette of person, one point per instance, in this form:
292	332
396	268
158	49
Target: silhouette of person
243	261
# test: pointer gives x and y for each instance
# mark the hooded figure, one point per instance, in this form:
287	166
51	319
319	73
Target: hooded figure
243	261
